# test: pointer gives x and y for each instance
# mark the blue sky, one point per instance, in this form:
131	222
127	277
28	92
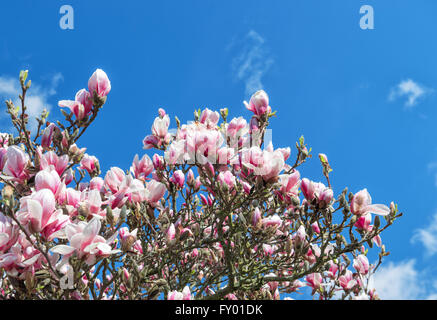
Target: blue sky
366	98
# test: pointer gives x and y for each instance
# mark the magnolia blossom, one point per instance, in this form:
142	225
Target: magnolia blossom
85	242
227	179
48	179
266	163
347	280
16	163
236	128
141	168
184	295
209	118
362	203
314	280
290	183
84	97
160	126
156	191
259	103
47	135
75	107
51	160
3	152
178	178
9	233
127	238
89	163
361	264
39	210
317	190
99	83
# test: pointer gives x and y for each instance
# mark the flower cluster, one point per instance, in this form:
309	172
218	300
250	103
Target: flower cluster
216	212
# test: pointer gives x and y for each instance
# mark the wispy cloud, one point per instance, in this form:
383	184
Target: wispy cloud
411	90
397	281
403	281
252	61
37	98
432	167
427	236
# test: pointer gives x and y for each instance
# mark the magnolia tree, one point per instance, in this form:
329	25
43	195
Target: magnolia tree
216	213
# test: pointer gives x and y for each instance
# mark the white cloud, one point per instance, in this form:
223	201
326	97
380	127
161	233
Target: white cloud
252	62
398	282
413	91
37	98
427	236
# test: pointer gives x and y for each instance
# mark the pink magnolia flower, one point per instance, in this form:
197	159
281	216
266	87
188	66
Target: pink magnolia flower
316	190
151	141
256	217
178	178
68	176
347	281
363	222
285	152
22	257
91	202
127	238
137	247
160	126
9	233
190	178
236	128
51	159
362	203
333	268
259	103
300	235
113	179
175	153
3	152
47	135
225	156
266	163
314	280
227	179
184	295
96	183
86	242
209	118
141	168
89	163
156	191
201	143
75	107
315	227
274	221
16	163
136	191
99	83
290	183
85	98
171	233
42	214
361	264
72	197
47	179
